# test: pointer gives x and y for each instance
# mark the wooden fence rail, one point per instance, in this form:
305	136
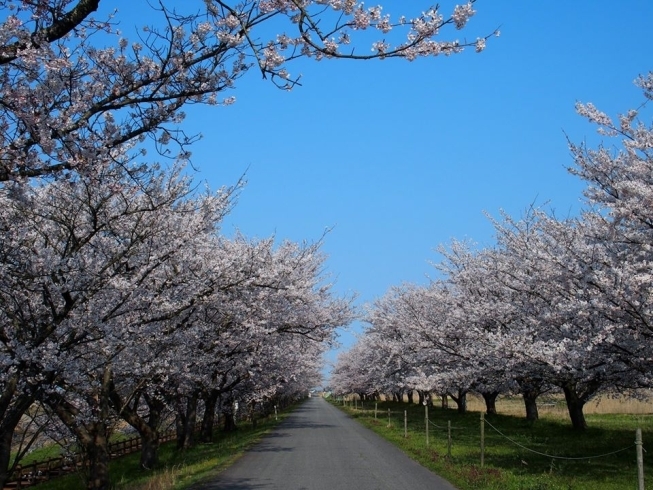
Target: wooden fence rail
28	475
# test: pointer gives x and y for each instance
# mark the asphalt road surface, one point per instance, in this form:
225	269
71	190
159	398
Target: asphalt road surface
319	447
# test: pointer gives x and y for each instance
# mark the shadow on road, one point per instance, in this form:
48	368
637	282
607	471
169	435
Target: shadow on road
302	424
306	407
239	484
263	447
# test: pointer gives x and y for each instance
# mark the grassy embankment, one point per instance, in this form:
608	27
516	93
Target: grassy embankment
564	458
177	470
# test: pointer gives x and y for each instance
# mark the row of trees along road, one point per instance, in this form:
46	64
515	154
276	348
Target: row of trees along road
119	298
554	304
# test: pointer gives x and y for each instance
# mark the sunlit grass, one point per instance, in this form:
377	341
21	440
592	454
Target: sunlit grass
512	464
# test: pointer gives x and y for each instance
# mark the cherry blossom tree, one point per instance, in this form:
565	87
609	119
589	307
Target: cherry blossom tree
122	300
523	316
275	298
74	87
414	330
536	286
372	366
350	369
620	187
97	266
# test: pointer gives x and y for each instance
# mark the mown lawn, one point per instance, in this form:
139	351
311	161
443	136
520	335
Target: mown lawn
545	455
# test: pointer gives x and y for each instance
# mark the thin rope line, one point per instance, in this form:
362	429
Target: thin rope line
443	427
437	426
557	457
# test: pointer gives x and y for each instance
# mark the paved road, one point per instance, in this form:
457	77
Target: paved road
319	447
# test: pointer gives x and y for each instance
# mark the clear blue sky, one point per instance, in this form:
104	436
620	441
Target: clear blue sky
400	157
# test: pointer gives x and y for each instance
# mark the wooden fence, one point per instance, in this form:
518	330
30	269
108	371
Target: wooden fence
39	471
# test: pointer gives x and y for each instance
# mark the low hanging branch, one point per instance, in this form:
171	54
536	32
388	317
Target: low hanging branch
67	103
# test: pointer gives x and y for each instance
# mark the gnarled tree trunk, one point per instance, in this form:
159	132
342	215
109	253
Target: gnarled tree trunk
531	388
420	397
208	420
229	421
575	406
530	404
150	436
148	428
12	408
92	435
490	402
461	400
96	450
185	421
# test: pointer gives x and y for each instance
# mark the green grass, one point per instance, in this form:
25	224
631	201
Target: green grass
177	470
509	466
54	451
41	454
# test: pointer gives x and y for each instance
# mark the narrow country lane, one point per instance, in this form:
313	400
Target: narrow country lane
319	447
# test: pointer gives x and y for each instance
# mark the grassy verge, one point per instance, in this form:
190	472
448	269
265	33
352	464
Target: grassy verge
177	470
546	455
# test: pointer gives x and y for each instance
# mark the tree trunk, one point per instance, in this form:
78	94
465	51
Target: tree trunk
490	402
147	429
575	407
420	397
97	456
445	401
92	436
185	421
531	388
461	400
252	415
97	448
149	450
7	429
6	437
229	422
208	421
530	403
14	409
150	441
